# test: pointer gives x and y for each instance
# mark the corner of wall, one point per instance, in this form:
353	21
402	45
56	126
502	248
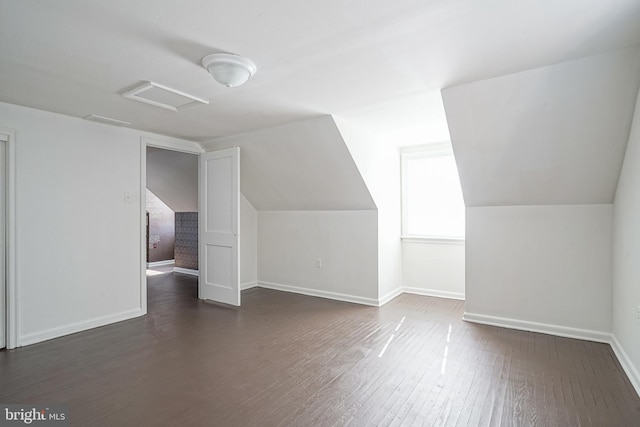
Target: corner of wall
626	249
626	363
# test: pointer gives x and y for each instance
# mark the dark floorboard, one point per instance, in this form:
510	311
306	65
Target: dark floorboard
290	360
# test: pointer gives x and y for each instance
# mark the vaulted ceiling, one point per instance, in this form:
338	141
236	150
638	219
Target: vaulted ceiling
547	136
314	57
304	165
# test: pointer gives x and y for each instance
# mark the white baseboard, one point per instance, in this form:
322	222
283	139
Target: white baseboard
626	363
248	285
77	327
317	293
434	293
186	271
388	297
160	263
419	291
545	328
352	298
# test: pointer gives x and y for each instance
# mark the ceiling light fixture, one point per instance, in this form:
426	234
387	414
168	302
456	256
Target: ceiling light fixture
229	69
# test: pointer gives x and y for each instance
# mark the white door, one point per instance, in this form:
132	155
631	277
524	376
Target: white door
3	276
219	263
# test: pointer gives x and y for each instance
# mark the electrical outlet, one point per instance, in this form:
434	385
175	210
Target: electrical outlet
638	312
319	263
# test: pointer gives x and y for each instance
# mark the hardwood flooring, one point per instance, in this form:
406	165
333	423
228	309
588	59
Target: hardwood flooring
290	360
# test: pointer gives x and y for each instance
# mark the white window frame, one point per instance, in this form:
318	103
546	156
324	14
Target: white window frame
416	152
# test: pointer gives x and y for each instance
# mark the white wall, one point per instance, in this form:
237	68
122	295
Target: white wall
248	244
435	269
290	242
544	268
78	242
292	169
374	135
626	258
173	177
379	164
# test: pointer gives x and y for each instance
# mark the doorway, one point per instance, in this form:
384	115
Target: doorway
169	193
218	200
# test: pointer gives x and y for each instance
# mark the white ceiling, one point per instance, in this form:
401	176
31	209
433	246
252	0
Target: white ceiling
548	136
314	57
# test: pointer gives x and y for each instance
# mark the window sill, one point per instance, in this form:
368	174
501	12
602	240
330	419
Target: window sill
433	240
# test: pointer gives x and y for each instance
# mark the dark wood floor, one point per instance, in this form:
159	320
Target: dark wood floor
291	360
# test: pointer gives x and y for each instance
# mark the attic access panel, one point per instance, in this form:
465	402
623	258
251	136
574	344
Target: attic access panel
162	96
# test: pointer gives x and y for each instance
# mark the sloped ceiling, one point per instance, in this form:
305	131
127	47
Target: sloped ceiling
410	120
551	135
314	57
173	177
331	57
303	165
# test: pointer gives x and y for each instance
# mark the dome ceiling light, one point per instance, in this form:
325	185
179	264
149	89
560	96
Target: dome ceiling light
229	69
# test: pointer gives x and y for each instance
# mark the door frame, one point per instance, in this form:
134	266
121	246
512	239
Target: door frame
11	289
166	144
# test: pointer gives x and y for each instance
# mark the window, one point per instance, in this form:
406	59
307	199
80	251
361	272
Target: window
432	204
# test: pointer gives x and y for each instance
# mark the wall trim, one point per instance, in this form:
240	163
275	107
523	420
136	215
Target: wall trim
72	328
188	271
322	294
12	300
433	240
390	296
626	363
174	144
353	298
159	263
545	328
143	225
248	285
434	293
419	291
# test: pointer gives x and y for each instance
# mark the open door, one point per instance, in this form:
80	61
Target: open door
219	259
